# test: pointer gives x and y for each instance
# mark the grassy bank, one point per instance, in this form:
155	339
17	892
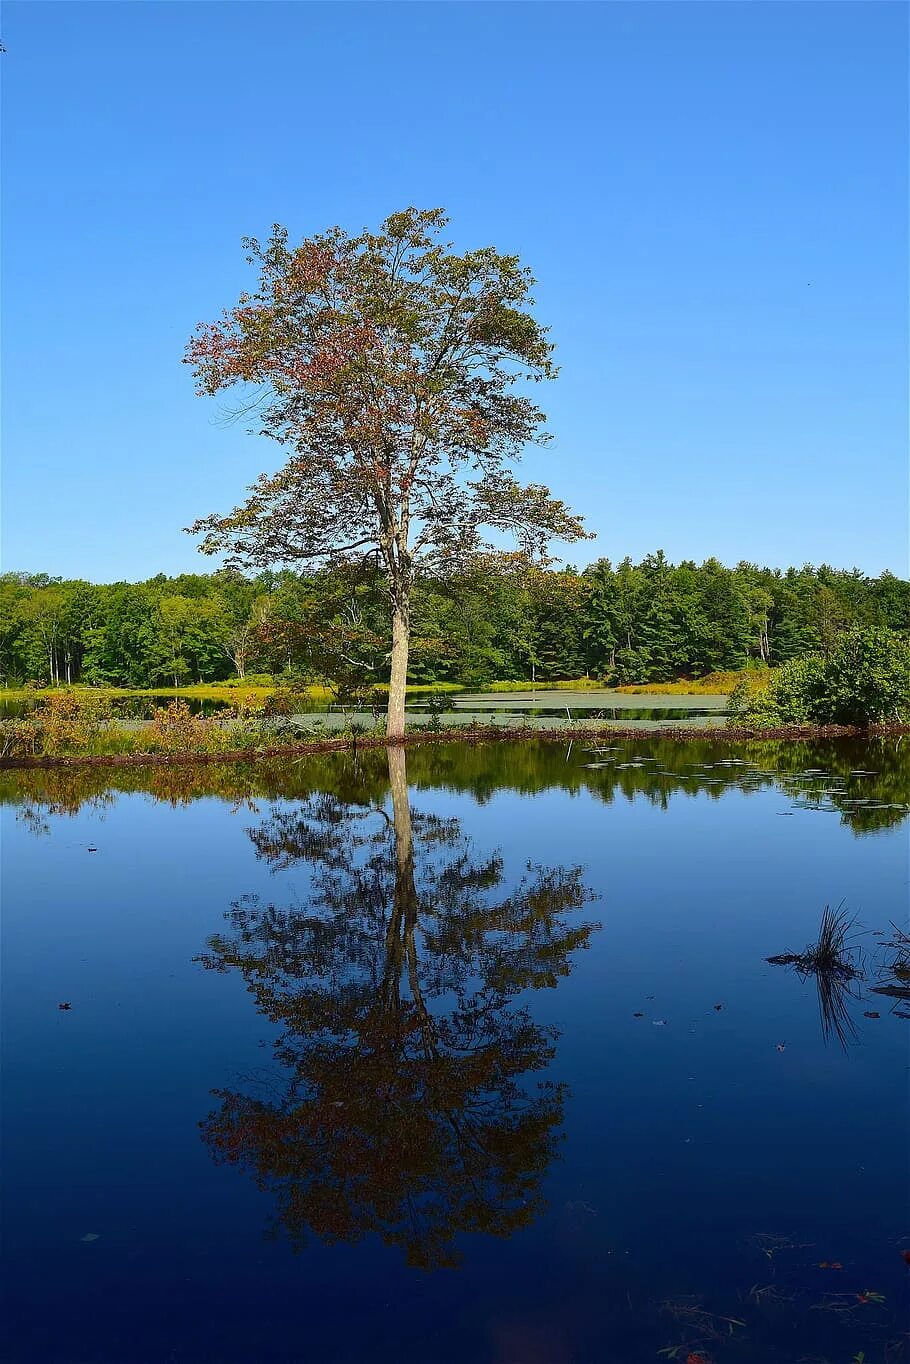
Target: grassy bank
218	691
714	684
207	691
474	734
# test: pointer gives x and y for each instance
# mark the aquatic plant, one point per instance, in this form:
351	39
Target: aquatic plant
835	961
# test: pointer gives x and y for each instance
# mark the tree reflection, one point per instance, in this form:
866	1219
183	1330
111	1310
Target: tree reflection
409	1111
865	782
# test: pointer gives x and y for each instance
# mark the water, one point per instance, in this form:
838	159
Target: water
422	1061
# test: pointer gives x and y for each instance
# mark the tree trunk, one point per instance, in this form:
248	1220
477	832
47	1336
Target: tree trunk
401	638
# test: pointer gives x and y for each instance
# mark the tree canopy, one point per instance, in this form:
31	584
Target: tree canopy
651	621
395	373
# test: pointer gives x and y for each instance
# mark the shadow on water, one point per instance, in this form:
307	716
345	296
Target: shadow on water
411	1107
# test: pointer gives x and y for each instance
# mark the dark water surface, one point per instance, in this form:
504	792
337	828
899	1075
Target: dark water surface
468	1054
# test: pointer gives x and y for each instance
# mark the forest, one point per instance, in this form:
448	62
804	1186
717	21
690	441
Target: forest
653	621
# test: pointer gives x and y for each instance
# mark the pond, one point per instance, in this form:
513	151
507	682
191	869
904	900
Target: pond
460	1053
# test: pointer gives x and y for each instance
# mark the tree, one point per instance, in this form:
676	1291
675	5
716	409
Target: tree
44	617
387	365
188	638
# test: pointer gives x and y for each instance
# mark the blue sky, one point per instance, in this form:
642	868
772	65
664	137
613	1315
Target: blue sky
713	198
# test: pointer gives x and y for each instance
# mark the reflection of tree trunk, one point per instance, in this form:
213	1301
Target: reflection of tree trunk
405	913
403	916
401	815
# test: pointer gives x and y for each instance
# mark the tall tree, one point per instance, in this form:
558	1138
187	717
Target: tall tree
388	366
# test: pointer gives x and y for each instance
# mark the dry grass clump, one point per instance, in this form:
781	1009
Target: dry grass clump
712	684
835	962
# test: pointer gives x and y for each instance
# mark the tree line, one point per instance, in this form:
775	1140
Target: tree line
653	621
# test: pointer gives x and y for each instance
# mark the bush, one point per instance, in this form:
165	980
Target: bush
175	729
864	680
712	684
20	737
250	680
867	678
285	701
71	722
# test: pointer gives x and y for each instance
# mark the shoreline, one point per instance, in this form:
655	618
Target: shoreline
467	735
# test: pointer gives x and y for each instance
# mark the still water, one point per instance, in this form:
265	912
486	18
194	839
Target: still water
464	1054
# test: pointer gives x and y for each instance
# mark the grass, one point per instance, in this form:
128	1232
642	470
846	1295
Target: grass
206	691
209	691
571	684
835	962
712	684
832	952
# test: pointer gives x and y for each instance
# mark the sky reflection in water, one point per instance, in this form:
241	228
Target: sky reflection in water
473	1054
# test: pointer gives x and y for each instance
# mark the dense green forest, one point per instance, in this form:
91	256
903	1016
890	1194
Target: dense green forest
647	622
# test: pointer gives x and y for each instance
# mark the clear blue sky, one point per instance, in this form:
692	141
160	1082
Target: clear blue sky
712	196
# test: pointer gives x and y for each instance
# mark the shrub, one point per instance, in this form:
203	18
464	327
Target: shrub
245	707
20	737
71	722
285	701
864	680
867	678
175	729
712	684
250	680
